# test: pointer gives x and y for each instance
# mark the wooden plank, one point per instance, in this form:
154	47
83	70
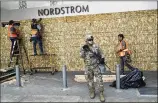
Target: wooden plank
42	67
106	78
7	75
113	71
8	79
5	70
43	55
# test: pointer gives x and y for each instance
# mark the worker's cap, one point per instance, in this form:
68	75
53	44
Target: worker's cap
11	22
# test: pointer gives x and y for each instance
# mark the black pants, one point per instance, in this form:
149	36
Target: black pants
123	63
35	41
13	39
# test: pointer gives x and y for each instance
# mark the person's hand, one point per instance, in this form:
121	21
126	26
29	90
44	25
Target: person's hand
40	19
30	39
102	61
86	47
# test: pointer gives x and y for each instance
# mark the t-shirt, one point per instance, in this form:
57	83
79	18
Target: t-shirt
123	43
36	26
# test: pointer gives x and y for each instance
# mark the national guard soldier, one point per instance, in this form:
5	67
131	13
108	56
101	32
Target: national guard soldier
93	56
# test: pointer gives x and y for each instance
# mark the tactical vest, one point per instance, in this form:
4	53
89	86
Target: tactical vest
91	59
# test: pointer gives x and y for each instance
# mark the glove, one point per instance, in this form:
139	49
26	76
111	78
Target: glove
102	61
40	19
86	48
30	39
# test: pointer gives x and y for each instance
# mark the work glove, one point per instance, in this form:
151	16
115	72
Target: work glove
86	48
30	39
102	61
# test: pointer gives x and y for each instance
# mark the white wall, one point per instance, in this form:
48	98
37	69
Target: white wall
95	7
4	15
10	5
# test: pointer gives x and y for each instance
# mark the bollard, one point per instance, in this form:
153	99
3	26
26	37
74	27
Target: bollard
64	76
18	80
118	76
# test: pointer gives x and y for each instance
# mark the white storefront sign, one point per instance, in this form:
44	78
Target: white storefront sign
78	9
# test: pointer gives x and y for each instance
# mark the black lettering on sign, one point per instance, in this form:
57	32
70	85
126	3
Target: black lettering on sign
40	12
72	9
51	11
46	12
62	10
85	9
57	11
67	9
78	9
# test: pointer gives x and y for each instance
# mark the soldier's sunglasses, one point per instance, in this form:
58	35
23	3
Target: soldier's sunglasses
90	39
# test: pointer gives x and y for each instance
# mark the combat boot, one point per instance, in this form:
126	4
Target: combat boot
92	93
101	97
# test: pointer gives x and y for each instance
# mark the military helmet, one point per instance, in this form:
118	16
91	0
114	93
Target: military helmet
88	37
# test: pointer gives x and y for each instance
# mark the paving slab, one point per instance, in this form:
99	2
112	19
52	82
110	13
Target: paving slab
44	87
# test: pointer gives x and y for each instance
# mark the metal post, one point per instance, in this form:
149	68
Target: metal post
64	76
118	76
18	79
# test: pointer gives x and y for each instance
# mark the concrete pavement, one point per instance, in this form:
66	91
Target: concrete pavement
44	87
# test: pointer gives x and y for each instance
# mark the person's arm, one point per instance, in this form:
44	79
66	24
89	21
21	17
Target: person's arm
100	52
39	30
103	59
82	53
123	46
39	27
40	19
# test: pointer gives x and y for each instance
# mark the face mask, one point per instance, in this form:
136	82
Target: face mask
90	42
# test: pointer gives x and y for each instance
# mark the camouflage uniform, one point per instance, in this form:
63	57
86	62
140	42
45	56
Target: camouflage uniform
92	67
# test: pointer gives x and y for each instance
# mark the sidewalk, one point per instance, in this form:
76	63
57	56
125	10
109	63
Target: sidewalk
44	87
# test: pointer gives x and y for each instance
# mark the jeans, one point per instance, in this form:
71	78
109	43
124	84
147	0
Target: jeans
35	41
124	62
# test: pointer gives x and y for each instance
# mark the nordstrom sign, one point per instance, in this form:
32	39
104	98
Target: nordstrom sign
63	10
